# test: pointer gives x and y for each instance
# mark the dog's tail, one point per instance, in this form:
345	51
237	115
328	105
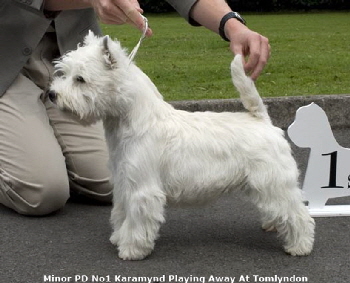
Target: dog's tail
249	95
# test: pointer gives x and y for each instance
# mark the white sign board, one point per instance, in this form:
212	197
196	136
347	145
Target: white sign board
328	169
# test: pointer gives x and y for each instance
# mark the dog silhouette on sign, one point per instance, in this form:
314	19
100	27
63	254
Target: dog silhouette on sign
328	170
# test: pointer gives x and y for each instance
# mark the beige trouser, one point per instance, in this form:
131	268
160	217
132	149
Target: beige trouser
44	153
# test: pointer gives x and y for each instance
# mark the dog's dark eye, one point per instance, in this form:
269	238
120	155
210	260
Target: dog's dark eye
80	79
59	73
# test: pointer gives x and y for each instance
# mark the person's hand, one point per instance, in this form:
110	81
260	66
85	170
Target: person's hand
120	12
109	11
249	44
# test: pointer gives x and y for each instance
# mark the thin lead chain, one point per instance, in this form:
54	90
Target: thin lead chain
136	48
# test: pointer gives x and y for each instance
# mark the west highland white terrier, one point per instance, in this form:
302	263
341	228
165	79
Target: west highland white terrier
161	156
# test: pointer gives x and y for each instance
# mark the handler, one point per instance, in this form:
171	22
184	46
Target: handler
46	154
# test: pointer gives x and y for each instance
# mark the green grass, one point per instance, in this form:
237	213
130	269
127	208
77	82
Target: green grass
310	55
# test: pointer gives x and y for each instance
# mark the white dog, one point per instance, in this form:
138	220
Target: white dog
161	156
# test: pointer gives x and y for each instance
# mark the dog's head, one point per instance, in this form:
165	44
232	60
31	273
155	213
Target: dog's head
87	80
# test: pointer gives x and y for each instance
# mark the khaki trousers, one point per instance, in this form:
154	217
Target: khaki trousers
46	153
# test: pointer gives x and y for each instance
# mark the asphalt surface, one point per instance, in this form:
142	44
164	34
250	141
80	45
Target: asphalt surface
218	243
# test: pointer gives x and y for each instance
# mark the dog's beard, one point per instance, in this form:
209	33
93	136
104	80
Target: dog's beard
85	120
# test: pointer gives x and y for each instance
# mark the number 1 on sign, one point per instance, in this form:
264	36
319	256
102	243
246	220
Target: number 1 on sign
333	171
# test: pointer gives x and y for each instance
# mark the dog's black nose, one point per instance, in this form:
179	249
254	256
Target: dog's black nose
52	96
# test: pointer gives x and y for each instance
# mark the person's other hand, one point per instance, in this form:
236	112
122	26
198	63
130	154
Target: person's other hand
250	44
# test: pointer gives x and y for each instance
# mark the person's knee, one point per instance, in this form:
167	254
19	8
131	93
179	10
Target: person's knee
49	200
93	187
40	197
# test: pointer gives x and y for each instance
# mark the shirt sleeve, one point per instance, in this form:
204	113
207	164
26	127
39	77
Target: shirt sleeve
183	7
36	4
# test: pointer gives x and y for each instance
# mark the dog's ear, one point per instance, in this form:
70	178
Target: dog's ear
107	55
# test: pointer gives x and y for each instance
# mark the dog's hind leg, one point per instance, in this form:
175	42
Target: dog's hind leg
297	230
117	218
144	210
282	208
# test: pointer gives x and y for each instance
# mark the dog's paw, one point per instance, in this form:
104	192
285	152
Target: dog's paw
114	239
131	252
269	227
303	249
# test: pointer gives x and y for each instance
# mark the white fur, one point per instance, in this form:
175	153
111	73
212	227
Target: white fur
161	156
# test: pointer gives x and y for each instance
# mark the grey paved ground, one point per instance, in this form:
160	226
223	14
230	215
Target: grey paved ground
221	240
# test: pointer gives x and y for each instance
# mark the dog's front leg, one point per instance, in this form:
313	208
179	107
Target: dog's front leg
117	218
144	211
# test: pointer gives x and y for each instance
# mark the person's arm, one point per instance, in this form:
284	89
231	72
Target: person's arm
109	11
209	13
